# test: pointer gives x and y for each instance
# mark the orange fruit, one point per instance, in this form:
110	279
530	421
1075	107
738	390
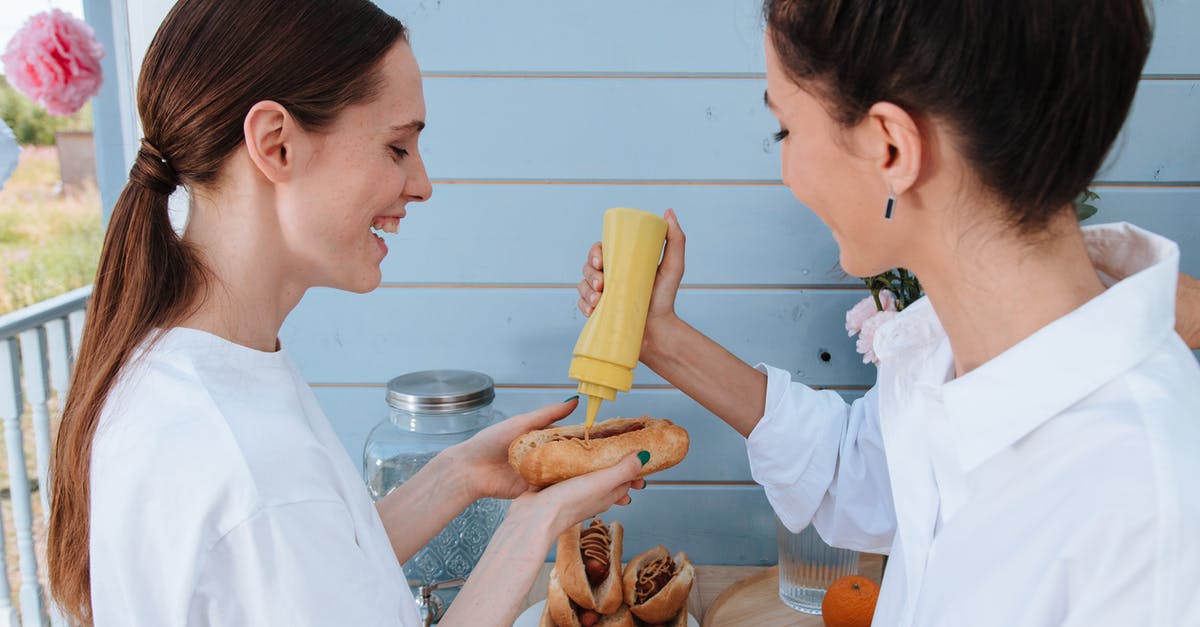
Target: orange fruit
850	602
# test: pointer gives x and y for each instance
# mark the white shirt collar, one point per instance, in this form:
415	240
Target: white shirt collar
993	406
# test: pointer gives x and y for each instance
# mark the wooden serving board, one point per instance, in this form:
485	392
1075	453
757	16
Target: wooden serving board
755	601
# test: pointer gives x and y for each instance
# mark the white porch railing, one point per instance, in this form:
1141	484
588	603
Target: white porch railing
37	352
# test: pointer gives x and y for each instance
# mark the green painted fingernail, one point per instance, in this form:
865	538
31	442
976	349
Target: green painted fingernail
571	398
644	456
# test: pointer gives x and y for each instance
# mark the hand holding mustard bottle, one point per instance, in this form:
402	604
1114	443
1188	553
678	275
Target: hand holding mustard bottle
701	368
668	276
608	346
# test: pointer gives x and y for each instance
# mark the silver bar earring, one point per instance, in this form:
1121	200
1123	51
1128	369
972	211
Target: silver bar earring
891	203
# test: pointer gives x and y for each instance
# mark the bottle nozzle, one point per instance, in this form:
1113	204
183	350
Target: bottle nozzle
595	394
593	408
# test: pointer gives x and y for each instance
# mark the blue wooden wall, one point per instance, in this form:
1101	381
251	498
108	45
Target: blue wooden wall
543	114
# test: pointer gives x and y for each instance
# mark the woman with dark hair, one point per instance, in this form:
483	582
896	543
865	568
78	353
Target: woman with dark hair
196	480
1028	453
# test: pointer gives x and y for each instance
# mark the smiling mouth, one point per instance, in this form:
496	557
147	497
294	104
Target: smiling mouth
386	224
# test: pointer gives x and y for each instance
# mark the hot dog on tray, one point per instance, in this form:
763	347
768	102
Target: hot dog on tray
561	611
588	565
547	456
656	587
585	584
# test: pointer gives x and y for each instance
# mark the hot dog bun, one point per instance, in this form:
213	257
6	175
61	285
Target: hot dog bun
667	600
600	591
560	611
680	620
547	456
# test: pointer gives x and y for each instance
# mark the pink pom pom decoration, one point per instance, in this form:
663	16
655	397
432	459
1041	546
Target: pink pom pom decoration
55	60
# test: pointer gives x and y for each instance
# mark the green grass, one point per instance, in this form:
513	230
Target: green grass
49	238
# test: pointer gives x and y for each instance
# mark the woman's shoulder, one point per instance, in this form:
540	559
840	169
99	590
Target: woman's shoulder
181	385
1163	387
1141	425
180	420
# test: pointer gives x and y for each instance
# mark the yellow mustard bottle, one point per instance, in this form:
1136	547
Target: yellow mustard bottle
608	346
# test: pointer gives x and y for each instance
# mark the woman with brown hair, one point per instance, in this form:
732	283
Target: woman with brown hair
1028	454
196	480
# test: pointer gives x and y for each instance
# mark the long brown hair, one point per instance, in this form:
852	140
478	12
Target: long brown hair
209	63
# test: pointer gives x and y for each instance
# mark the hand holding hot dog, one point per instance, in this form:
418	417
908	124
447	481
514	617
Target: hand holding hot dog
485	455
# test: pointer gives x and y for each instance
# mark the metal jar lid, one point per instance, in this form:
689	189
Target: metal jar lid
440	391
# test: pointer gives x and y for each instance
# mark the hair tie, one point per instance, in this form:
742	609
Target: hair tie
153	171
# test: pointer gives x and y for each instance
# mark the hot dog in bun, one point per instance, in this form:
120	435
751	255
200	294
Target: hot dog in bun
656	587
588	565
561	611
547	456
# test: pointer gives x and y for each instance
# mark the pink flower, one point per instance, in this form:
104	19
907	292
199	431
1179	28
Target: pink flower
866	337
866	308
55	60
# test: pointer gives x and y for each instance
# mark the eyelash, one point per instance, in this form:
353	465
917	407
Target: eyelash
781	134
399	153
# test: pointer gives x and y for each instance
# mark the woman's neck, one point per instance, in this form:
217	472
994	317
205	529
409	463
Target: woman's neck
991	290
247	295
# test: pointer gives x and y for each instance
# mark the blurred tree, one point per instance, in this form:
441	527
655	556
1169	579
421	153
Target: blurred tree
31	124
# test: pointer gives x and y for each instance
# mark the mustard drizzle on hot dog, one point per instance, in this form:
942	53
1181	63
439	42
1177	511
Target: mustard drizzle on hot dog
594	543
652	576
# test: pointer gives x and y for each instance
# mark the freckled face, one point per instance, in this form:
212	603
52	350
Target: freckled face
827	170
361	173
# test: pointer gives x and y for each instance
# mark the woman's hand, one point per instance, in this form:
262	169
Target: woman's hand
484	457
666	282
579	498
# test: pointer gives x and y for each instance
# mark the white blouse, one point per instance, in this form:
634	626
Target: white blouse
222	496
1057	484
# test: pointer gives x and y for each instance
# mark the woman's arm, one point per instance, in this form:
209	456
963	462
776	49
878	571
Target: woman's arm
701	368
418	509
698	366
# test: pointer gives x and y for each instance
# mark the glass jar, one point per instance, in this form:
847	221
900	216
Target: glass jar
430	411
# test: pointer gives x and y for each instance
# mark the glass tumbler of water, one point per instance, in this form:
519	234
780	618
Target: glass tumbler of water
807	566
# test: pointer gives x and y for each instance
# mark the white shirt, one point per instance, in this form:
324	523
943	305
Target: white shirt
221	496
1057	484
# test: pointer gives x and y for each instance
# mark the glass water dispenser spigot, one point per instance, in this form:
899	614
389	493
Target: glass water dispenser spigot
429	606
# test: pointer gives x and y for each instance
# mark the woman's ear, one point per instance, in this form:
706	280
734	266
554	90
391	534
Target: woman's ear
271	134
896	136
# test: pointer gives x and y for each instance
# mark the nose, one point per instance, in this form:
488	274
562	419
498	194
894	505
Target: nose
418	188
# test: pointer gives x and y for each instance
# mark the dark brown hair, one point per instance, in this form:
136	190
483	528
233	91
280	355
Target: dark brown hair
1036	90
209	63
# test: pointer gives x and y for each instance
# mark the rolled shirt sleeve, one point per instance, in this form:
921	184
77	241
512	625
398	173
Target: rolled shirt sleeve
822	460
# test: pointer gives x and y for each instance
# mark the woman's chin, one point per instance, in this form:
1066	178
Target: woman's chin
367	282
859	267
